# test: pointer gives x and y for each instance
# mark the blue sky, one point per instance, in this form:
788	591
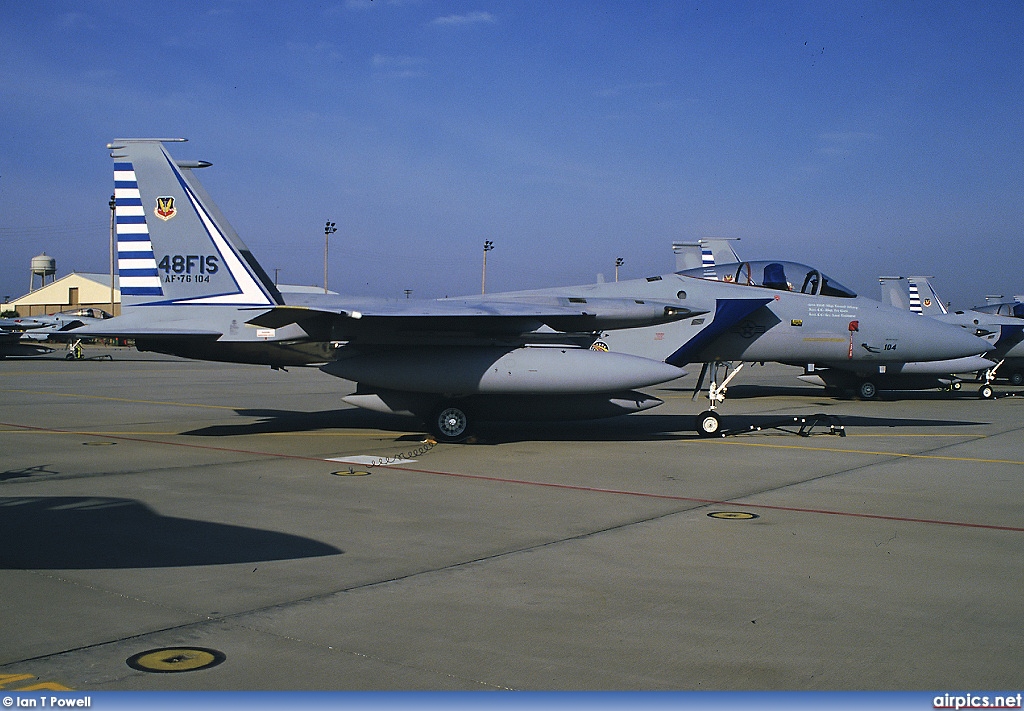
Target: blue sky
866	139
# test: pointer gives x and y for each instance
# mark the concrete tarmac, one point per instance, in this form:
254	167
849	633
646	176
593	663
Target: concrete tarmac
149	503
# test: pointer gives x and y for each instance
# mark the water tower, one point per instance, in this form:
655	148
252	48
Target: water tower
44	266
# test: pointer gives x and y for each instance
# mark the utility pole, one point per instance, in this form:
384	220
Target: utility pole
408	293
619	261
488	246
113	208
329	229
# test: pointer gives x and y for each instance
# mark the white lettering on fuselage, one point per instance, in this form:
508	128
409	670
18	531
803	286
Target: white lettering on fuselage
831	310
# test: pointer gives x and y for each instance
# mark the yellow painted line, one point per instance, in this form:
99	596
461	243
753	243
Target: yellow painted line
6	679
45	686
922	434
118	399
26	373
875	454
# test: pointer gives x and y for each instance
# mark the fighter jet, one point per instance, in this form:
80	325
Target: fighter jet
13	343
1005	333
191	287
997	304
49	325
787	313
21	335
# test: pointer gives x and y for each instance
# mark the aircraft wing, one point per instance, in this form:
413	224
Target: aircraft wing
451	319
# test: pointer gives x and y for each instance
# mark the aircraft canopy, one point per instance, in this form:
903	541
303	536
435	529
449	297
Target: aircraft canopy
782	276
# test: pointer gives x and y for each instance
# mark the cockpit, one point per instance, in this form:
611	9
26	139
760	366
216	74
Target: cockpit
88	312
781	276
1012	308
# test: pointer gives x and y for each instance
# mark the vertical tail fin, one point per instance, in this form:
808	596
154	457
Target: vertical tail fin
893	293
174	247
919	296
927	300
706	253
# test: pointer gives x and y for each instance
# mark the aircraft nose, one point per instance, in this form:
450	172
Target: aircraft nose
934	340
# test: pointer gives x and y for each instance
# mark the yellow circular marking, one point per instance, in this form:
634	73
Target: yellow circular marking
175	659
351	472
733	515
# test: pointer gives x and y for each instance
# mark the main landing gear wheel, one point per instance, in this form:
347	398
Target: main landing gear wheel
708	424
450	423
986	392
1016	378
867	390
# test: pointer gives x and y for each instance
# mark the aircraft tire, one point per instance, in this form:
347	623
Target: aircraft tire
450	423
957	386
1016	378
986	392
867	390
708	424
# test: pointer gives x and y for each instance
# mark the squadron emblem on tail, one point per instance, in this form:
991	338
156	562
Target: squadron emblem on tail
165	209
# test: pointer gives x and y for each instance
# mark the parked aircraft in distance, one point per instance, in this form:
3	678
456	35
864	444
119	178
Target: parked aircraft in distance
1006	333
191	287
43	326
12	342
997	304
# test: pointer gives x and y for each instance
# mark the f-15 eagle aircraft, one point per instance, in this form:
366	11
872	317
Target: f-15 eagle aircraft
13	343
798	316
997	304
1005	332
190	287
20	336
813	322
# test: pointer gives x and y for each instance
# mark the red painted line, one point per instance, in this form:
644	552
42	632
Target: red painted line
550	485
717	502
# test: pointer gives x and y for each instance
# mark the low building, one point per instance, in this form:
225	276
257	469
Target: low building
74	291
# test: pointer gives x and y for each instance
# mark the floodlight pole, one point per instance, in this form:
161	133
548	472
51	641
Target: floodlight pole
113	208
619	261
329	229
488	246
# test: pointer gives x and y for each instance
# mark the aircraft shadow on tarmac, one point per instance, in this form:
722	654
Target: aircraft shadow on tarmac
632	428
84	533
278	421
